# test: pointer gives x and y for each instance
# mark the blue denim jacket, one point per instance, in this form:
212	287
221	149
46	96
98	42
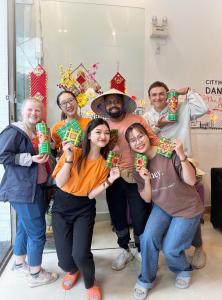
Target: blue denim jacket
19	181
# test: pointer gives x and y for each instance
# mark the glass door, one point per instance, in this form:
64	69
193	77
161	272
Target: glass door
6	114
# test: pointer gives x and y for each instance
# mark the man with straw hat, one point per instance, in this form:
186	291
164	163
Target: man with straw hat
193	107
118	108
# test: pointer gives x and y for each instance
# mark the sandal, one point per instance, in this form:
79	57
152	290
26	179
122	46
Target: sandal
69	280
94	293
140	293
183	282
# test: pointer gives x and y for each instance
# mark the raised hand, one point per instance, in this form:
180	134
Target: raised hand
178	147
144	173
114	174
68	150
183	91
163	122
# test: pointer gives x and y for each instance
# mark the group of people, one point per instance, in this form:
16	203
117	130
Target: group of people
165	210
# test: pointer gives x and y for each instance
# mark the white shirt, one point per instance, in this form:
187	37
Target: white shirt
193	108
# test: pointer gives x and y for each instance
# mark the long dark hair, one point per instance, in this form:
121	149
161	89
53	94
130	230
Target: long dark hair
86	142
137	126
63	115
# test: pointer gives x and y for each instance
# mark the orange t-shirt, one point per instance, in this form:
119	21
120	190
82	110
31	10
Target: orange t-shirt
91	175
83	122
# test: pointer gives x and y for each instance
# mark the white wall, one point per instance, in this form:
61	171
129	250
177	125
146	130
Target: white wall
190	55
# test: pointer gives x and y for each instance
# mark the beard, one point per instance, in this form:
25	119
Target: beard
116	114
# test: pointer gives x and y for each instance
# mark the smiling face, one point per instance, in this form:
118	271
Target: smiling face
68	104
158	98
100	136
114	105
32	112
138	141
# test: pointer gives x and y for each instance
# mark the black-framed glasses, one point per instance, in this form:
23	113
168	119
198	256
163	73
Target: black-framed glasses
139	139
65	103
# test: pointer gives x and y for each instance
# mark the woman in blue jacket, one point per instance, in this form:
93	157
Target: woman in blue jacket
22	185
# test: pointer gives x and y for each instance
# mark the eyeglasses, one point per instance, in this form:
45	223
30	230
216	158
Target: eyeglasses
139	139
68	101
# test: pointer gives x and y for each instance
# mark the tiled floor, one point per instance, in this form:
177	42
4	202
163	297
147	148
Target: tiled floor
206	284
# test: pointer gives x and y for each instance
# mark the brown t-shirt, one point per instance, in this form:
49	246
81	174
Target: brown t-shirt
169	191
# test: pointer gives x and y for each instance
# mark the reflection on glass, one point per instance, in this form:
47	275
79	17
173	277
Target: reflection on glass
5	230
84	33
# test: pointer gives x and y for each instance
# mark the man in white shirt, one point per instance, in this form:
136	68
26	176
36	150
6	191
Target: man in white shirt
193	107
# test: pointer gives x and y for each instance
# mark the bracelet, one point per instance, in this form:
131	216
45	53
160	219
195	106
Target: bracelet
183	160
68	161
108	182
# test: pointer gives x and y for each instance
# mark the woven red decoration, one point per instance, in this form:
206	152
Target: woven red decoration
38	80
118	82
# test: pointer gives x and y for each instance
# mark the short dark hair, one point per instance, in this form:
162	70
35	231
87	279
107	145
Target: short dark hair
157	84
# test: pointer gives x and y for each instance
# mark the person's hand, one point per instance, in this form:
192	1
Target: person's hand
145	174
183	91
178	147
114	174
68	150
163	122
40	158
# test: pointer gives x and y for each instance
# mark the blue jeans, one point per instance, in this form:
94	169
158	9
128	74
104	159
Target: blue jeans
170	234
30	233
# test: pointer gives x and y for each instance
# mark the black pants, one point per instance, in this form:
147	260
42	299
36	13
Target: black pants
73	219
118	195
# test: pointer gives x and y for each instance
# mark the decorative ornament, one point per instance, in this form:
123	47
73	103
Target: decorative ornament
72	133
81	82
113	159
38	79
140	161
118	82
172	98
43	138
165	147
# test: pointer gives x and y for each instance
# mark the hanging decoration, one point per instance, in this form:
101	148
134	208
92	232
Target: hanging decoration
38	80
118	82
81	82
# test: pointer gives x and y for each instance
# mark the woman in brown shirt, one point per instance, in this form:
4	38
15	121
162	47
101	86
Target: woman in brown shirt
176	211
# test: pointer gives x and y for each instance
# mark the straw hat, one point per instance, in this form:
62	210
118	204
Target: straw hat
199	172
98	104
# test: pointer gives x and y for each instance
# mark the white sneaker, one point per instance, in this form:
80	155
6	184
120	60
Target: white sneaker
121	260
42	278
21	271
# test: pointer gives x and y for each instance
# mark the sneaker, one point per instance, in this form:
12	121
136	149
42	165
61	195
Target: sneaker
121	260
182	282
21	270
198	260
140	293
42	278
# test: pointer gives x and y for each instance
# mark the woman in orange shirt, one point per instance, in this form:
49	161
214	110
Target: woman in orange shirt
66	101
80	174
